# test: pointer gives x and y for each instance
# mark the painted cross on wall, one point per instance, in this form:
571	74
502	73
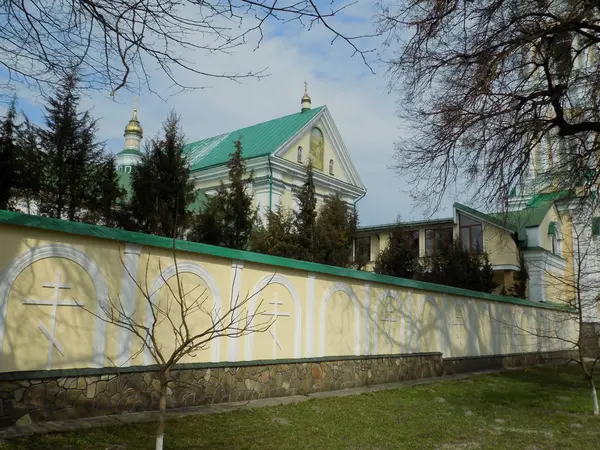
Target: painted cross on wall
273	328
54	303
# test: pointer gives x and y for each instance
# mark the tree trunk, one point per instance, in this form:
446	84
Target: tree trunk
594	397
162	409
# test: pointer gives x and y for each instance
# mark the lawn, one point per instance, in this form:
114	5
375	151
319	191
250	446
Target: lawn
540	408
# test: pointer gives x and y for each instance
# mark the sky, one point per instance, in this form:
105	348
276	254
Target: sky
361	105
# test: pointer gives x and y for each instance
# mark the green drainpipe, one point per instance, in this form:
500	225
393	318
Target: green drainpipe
271	184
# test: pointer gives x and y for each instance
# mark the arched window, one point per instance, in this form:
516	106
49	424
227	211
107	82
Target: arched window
555	237
317	148
300	155
331	167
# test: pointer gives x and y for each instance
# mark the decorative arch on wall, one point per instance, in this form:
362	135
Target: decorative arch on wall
525	325
484	317
24	260
194	269
286	283
510	331
438	326
340	287
299	155
391	294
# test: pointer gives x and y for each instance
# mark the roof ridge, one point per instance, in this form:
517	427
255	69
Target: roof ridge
255	125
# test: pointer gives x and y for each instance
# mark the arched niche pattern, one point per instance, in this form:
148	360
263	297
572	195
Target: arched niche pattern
340	287
181	268
402	320
24	260
435	327
286	283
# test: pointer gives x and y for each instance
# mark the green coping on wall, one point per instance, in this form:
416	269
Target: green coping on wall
96	231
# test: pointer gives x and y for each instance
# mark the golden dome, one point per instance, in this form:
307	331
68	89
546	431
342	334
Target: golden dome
134	127
305	98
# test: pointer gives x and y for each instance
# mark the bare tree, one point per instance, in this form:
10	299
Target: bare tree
181	312
111	42
579	291
494	90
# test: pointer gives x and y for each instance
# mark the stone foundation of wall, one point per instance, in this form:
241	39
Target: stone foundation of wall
591	339
477	363
27	397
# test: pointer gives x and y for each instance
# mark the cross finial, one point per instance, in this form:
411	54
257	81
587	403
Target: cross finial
305	87
136	100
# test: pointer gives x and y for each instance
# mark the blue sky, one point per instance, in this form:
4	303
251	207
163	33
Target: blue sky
359	102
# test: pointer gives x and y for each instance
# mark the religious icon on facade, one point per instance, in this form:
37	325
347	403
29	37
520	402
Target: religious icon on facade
317	148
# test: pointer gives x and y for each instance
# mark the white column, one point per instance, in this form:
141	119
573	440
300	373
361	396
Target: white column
310	315
236	281
131	257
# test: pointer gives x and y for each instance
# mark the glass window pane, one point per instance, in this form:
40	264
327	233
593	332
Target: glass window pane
465	238
429	237
464	220
363	248
477	239
444	236
415	242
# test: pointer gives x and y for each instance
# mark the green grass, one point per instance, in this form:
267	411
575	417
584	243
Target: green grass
526	409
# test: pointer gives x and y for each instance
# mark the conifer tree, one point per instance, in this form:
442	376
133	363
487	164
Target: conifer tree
306	217
228	217
453	265
105	202
399	258
8	155
161	187
336	225
29	167
278	237
240	213
70	154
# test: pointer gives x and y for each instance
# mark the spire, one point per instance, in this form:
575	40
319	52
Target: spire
305	98
131	154
134	127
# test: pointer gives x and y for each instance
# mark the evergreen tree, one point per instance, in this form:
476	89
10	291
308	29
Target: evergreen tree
8	156
161	188
399	258
228	217
240	213
306	217
70	154
29	167
211	222
336	225
519	287
453	265
105	203
278	237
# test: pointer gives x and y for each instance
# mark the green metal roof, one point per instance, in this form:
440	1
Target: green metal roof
515	221
257	140
130	151
409	224
114	234
540	199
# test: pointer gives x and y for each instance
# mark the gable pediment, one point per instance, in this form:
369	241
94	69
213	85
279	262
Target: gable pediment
333	154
